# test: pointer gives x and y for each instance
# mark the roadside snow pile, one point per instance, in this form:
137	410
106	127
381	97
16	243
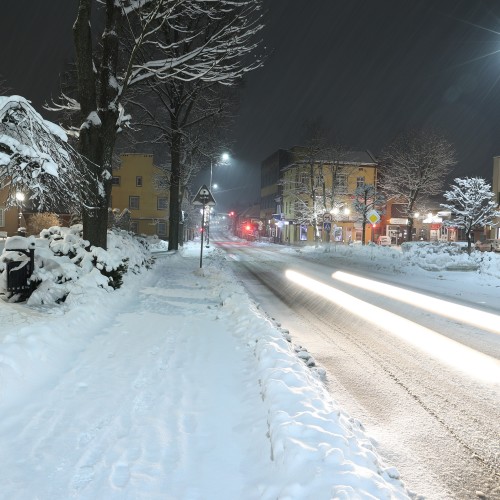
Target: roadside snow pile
317	450
439	256
450	257
65	264
429	256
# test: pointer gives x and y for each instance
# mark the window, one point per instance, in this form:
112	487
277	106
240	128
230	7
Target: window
341	184
303	182
2	217
134	227
162	228
116	180
360	182
138	181
133	202
161	203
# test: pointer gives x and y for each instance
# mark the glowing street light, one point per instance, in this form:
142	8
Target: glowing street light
20	198
224	158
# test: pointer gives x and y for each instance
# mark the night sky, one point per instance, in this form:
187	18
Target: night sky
368	69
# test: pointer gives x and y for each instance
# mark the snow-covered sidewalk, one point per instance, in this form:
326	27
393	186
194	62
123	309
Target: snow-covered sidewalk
173	387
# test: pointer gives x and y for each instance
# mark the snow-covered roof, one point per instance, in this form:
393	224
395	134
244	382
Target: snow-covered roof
347	158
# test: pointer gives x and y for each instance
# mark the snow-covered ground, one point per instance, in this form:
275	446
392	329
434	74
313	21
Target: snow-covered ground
176	386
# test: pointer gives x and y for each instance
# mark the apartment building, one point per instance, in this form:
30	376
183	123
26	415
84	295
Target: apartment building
333	183
134	188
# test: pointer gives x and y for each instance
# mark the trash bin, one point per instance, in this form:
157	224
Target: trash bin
20	270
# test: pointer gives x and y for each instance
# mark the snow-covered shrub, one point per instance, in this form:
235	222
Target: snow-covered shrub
119	220
65	262
38	222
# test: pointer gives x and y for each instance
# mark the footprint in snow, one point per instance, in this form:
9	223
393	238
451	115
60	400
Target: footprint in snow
120	475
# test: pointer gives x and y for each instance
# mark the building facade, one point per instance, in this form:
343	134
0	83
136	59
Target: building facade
271	197
134	188
495	231
11	219
318	197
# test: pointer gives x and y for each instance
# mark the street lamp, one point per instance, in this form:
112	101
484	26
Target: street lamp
20	199
224	158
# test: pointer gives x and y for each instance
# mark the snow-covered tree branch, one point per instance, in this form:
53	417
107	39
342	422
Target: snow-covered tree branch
366	199
36	159
472	205
161	40
414	167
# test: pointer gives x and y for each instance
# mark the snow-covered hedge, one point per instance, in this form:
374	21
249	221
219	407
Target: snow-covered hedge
65	263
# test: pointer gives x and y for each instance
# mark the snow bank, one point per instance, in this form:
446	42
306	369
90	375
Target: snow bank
317	450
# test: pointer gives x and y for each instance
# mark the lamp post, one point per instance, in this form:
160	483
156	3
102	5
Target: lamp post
224	158
20	199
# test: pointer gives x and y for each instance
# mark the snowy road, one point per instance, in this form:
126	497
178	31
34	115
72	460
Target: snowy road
437	421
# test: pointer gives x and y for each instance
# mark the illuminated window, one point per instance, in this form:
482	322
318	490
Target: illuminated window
360	182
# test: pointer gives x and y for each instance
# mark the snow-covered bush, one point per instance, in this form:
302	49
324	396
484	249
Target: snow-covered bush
65	263
117	219
39	221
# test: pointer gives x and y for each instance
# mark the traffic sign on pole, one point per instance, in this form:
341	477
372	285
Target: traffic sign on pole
204	197
373	216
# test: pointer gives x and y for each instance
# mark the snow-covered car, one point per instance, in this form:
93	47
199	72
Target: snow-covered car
384	241
492	245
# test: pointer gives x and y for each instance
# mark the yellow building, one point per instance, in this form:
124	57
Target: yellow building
495	231
134	188
334	184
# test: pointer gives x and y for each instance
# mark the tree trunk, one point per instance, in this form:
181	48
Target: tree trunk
410	229
99	114
175	177
469	242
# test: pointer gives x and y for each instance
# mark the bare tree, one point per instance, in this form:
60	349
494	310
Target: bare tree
192	117
36	159
366	199
105	77
414	167
472	205
315	186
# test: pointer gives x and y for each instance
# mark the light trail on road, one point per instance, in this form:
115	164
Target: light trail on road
468	315
477	365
